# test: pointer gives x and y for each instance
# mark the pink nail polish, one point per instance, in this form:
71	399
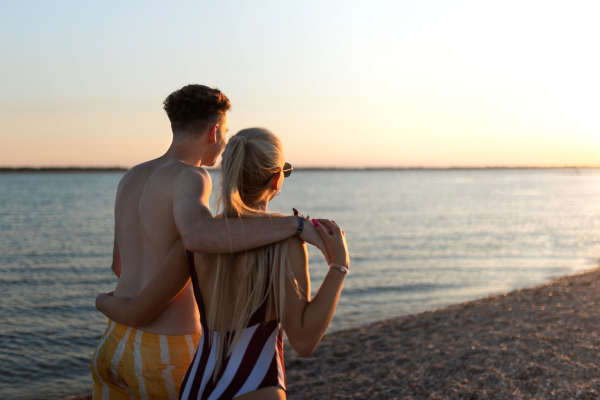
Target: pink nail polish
315	222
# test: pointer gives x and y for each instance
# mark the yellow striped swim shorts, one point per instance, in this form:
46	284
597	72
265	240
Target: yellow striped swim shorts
132	364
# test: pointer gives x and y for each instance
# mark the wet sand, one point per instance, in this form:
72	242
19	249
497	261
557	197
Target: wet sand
537	343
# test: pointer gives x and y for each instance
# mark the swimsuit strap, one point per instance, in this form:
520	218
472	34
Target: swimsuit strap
192	267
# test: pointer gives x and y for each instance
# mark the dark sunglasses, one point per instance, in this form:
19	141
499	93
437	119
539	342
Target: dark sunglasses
287	171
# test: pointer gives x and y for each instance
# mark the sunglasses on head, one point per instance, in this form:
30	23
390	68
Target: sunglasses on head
287	171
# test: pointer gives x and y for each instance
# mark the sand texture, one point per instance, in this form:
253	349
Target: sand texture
538	343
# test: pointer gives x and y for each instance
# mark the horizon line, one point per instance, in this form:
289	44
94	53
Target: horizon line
313	168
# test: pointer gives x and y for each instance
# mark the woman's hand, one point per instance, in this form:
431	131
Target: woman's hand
335	241
312	236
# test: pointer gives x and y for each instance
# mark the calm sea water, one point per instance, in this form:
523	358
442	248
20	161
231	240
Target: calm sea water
418	240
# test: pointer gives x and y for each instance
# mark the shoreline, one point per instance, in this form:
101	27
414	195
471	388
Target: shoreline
540	342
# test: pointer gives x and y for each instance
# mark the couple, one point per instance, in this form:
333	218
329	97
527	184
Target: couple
220	334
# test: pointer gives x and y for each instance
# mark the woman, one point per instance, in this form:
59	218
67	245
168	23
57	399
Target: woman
246	299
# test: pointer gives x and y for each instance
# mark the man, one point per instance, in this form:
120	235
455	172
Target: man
158	202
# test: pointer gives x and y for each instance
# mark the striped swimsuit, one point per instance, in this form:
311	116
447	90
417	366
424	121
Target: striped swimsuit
255	363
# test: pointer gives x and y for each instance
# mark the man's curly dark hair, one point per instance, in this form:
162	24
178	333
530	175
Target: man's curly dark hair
195	106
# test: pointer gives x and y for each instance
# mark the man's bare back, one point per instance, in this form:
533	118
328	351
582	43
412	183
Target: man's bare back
145	230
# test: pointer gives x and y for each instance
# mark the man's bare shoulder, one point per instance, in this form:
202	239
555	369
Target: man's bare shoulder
170	170
190	173
137	173
193	178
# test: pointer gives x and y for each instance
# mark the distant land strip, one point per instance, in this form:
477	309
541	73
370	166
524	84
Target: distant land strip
121	169
434	168
60	170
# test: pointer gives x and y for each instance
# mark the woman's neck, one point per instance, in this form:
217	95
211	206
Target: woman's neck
262	206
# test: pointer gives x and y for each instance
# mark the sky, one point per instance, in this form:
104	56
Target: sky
342	83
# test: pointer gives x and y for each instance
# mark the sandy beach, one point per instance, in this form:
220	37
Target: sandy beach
536	343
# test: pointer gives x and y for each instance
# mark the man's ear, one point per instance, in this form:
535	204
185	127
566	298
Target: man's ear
212	133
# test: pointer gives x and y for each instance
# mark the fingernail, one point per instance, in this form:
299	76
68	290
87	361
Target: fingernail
315	222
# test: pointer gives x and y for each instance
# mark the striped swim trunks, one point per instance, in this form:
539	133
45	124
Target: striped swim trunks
132	364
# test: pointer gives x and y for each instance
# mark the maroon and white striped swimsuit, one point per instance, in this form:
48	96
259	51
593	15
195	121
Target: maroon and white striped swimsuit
255	363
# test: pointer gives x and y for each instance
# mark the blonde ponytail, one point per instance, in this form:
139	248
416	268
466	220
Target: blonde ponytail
250	158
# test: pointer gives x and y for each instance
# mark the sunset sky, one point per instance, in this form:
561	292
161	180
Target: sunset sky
343	83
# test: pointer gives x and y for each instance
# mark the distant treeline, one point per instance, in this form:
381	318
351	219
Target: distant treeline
60	170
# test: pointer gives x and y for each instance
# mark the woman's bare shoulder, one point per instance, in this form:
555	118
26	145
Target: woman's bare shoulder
297	248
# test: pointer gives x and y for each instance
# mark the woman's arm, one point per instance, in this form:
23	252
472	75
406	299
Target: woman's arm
306	320
168	282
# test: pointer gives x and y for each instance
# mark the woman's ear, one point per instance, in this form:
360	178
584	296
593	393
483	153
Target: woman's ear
275	181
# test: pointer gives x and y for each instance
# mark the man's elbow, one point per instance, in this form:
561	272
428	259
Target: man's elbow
195	244
189	243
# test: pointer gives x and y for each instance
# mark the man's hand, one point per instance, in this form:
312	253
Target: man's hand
310	235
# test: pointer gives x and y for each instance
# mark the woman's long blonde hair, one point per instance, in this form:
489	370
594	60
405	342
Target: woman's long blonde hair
250	158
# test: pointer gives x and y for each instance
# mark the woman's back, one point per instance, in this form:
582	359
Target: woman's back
206	270
255	364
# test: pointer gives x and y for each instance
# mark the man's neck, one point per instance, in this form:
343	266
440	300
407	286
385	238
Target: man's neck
188	150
